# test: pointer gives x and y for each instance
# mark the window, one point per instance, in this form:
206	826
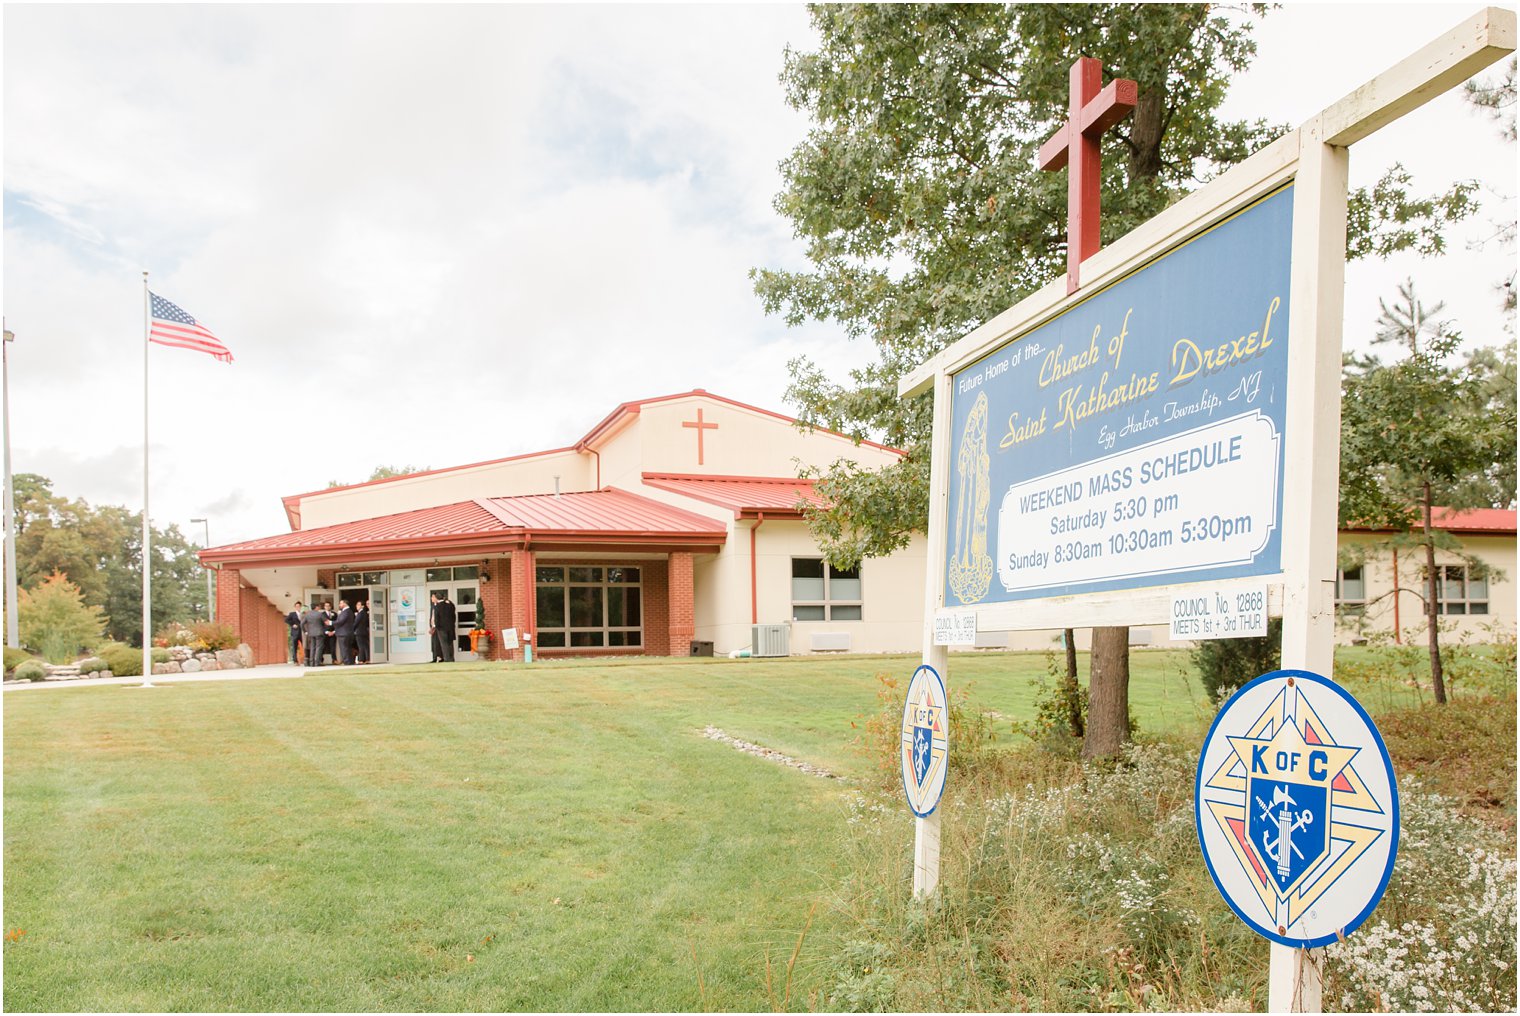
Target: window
1350	591
821	592
1461	590
588	607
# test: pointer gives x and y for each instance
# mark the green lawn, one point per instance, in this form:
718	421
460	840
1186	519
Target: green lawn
557	836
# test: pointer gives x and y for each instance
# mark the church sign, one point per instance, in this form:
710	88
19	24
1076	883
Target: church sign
1137	439
1135	445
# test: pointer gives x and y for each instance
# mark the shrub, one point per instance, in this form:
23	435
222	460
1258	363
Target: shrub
1226	664
55	619
124	661
173	634
15	657
31	670
92	665
214	635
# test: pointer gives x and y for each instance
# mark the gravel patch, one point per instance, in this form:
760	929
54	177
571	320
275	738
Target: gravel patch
714	734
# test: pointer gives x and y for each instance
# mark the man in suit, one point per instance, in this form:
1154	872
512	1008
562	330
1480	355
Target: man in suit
329	637
293	621
361	630
433	600
447	617
313	631
343	632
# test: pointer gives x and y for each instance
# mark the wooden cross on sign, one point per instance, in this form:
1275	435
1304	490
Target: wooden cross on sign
700	427
1076	143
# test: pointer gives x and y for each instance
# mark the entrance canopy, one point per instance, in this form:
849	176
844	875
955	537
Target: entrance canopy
608	518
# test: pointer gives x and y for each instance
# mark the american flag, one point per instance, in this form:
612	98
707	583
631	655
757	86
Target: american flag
173	327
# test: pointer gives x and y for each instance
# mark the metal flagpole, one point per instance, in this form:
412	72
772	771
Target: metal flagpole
147	550
12	626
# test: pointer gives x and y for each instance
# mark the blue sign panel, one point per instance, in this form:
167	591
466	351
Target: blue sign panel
1137	439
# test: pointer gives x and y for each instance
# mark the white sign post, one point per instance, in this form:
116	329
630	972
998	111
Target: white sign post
1167	496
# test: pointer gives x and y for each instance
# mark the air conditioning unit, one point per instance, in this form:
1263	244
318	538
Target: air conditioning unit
831	641
771	640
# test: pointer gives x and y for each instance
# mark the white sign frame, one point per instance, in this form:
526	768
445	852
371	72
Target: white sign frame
1315	159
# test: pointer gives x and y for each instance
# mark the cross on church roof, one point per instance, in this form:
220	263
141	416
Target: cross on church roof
1076	143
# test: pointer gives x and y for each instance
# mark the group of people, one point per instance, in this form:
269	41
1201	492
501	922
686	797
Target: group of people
341	636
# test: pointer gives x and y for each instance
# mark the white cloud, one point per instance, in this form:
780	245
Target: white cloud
430	235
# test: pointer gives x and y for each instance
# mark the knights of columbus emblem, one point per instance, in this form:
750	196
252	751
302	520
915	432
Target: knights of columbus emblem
1297	808
925	741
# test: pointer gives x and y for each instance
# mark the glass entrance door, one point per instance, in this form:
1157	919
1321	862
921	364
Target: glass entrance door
461	585
375	597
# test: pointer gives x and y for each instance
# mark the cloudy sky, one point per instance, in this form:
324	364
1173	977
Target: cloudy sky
436	235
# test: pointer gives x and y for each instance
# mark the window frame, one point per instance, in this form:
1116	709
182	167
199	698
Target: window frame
565	634
1467	600
1343	603
829	601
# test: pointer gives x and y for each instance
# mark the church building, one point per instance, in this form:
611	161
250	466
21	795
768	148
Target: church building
674	525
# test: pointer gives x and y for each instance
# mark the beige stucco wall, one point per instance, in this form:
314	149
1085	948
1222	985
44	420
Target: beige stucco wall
746	443
281	586
891	591
1496	552
530	475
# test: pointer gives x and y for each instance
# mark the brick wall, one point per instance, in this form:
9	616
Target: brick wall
656	608
496	600
520	607
257	621
683	604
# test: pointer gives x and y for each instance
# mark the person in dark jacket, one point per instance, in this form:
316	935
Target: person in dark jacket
313	631
361	631
293	621
330	638
434	600
343	633
447	618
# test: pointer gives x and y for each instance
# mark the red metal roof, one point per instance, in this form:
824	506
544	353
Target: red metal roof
1476	520
1497	521
609	510
608	517
609	425
746	496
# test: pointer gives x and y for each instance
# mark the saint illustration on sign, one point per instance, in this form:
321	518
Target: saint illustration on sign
1290	809
970	564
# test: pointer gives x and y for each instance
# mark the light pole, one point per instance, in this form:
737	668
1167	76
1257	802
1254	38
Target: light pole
12	624
210	599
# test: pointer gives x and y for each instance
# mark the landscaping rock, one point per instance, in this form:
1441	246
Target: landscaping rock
191	666
166	668
208	664
749	748
245	654
228	659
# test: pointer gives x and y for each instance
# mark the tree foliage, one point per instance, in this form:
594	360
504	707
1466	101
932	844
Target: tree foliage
922	213
1430	430
55	621
99	550
383	473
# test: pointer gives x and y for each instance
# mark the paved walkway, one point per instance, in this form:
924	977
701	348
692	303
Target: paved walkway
256	673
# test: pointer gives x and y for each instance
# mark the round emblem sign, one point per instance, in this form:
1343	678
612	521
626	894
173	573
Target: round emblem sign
925	741
1297	809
